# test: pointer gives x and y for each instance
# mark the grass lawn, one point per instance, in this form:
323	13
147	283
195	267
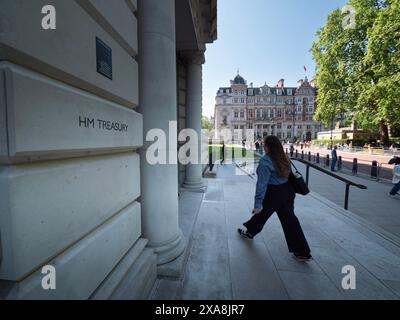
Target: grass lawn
232	152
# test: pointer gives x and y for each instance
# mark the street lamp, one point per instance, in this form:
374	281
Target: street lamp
292	112
272	127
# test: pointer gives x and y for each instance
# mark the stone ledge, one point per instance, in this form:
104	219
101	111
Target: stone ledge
358	220
117	275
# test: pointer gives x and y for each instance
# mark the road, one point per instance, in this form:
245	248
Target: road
364	161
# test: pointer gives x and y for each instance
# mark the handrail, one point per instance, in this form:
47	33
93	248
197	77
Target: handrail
346	181
314	166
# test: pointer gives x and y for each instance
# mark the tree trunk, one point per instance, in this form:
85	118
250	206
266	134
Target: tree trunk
384	130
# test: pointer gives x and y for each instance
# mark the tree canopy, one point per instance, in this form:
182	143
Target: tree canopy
357	55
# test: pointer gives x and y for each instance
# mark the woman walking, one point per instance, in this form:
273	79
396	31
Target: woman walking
275	194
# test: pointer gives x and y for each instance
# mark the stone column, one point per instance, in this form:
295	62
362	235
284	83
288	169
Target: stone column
193	181
158	100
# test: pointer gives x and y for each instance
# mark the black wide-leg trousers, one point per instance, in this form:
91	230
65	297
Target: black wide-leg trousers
280	199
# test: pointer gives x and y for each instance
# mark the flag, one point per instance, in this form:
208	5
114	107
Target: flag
305	68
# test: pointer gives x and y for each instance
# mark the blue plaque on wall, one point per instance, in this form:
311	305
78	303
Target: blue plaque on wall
103	59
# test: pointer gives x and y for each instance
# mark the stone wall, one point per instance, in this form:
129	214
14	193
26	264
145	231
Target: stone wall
69	135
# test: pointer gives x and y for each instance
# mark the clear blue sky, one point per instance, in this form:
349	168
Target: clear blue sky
267	40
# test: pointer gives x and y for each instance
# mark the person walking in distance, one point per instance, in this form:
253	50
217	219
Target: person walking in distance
275	194
334	158
223	153
257	146
396	181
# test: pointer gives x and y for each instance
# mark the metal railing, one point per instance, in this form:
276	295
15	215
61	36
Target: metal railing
329	173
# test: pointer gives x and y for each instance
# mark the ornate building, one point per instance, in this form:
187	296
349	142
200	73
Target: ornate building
286	112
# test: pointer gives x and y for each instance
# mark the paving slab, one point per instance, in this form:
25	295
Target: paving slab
304	286
223	266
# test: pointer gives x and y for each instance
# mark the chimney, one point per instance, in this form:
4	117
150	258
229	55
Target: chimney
300	83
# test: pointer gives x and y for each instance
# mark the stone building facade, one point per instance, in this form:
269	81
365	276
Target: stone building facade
76	104
286	112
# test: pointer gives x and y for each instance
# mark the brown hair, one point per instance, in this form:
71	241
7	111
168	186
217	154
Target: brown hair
278	156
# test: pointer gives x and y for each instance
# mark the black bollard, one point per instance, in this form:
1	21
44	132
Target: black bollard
296	154
317	160
339	164
374	169
355	166
327	162
210	159
302	155
309	156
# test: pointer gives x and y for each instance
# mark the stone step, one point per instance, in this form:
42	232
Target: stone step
140	279
116	276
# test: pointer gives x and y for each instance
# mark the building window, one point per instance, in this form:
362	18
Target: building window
265	126
279	113
280	100
308	127
279	125
299	126
289	126
289	92
241	114
236	114
242	100
289	135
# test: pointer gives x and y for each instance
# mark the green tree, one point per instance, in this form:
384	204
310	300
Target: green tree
382	67
206	123
347	65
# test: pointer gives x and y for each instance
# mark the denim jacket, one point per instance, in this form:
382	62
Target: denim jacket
266	174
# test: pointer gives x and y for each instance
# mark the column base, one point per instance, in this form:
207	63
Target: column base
169	252
199	187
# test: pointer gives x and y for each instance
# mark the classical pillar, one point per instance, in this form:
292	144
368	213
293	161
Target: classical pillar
193	181
158	101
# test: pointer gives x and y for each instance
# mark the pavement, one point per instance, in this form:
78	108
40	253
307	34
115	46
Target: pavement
373	204
220	265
